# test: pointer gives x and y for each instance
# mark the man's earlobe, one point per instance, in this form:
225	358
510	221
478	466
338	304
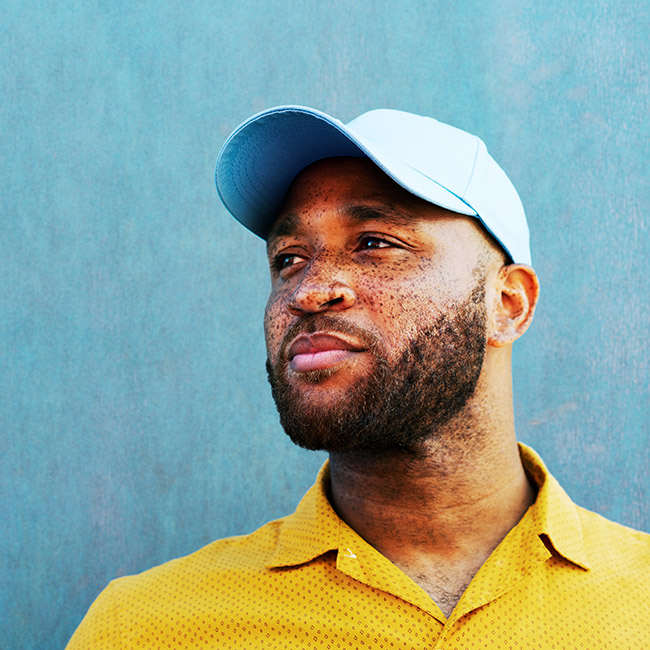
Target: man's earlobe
517	292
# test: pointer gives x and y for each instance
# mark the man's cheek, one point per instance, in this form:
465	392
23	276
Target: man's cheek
275	325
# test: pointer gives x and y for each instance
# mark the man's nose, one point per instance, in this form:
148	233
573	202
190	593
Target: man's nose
321	289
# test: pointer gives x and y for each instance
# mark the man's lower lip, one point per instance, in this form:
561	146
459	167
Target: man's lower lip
319	360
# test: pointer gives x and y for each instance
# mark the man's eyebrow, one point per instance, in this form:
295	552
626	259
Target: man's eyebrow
385	212
286	225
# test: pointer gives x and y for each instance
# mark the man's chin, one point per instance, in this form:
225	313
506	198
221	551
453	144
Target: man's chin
318	430
321	409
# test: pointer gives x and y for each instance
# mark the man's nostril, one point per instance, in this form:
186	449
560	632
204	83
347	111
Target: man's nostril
332	302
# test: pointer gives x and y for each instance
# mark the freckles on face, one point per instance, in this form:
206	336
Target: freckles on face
411	266
405	293
275	317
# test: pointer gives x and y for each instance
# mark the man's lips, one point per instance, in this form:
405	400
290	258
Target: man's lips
321	350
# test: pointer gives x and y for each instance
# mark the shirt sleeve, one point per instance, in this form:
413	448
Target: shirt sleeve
100	628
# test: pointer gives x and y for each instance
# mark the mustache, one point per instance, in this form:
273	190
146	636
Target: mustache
311	323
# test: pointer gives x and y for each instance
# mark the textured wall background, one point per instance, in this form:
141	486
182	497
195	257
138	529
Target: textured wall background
135	420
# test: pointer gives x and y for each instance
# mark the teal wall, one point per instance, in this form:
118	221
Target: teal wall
135	420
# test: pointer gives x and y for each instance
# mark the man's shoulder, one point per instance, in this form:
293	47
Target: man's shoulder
182	593
238	554
613	547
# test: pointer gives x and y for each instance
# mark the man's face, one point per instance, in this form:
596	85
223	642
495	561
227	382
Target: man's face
375	326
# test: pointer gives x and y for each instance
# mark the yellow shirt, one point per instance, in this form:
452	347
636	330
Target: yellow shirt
562	578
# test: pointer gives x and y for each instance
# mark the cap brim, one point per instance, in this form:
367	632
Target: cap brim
260	159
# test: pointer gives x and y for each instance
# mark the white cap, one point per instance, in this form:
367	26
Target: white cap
437	162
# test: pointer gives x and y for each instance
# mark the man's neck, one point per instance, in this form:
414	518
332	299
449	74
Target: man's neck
438	513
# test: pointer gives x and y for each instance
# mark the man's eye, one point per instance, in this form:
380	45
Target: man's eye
373	242
285	260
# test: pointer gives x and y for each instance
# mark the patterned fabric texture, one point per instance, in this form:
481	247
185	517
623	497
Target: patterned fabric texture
563	578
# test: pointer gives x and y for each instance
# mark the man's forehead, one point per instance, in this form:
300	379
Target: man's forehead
290	222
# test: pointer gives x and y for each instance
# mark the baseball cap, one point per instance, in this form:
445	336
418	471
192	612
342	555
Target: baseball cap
437	162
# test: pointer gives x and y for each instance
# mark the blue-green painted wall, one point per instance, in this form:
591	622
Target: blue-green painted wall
135	420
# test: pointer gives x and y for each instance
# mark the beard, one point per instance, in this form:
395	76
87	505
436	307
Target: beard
400	404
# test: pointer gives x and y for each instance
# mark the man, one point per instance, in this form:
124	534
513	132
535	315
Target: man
401	277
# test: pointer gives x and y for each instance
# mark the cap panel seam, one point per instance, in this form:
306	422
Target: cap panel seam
471	175
433	180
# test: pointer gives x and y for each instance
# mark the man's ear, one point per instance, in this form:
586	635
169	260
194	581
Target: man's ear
517	292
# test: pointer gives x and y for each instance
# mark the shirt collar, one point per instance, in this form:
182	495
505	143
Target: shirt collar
315	528
554	517
312	530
